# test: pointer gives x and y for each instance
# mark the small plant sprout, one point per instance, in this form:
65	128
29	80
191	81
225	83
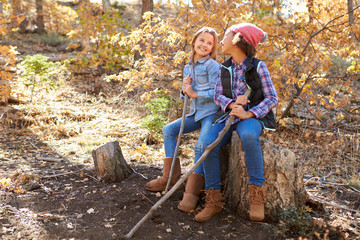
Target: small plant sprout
38	72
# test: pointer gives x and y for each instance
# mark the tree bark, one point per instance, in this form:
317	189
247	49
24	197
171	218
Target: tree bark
310	5
40	17
147	6
110	165
284	179
351	13
106	5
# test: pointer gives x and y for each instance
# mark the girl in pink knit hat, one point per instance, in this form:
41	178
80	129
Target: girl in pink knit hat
241	73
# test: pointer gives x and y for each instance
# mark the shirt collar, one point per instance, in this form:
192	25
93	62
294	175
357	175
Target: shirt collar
238	66
204	59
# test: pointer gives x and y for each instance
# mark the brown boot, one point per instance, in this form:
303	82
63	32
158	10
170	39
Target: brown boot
159	184
193	187
213	205
257	198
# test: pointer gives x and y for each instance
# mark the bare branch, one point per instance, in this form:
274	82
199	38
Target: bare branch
325	27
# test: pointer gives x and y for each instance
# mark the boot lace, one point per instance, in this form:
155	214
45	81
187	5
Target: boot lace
256	194
211	200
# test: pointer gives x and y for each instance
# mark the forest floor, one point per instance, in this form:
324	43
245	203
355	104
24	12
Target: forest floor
49	190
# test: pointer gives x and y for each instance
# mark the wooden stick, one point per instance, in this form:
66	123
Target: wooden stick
183	178
177	144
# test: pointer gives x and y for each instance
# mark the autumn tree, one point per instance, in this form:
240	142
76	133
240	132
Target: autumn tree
7	55
40	16
106	5
147	6
298	52
102	37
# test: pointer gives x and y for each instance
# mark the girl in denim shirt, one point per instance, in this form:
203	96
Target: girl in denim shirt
199	82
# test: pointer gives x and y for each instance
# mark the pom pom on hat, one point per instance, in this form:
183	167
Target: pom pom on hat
251	33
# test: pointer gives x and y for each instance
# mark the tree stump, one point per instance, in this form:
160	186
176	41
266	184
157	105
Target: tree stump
110	165
284	179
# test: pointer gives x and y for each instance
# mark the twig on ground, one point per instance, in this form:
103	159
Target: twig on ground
59	174
317	178
6	110
139	174
34	145
332	204
146	197
49	159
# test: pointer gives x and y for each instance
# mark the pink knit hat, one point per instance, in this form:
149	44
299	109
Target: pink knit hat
251	33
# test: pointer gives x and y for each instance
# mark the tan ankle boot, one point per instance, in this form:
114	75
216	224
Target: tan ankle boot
193	187
213	205
257	198
159	184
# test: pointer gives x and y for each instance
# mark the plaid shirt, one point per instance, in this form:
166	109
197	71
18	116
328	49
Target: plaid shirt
239	88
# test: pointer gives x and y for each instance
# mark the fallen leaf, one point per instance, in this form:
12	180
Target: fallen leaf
90	211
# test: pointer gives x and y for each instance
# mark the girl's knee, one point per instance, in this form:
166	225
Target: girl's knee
166	130
247	135
200	145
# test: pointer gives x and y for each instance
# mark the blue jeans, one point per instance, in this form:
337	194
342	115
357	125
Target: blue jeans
171	131
249	131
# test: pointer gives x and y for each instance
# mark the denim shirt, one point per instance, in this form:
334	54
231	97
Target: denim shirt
204	76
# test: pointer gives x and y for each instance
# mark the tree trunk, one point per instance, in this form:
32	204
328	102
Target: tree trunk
40	17
351	13
106	5
310	6
110	165
147	6
284	179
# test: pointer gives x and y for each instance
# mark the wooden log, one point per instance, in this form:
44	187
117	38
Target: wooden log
110	165
284	179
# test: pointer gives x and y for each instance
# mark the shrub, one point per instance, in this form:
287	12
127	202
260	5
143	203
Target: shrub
38	72
158	108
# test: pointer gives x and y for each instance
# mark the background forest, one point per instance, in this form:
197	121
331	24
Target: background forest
76	74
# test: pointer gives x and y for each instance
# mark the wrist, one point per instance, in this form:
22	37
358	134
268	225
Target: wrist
231	105
250	114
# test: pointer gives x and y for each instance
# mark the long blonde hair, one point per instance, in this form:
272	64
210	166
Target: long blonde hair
213	53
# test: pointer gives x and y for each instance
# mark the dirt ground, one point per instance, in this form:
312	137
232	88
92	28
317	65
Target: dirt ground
48	187
65	201
49	190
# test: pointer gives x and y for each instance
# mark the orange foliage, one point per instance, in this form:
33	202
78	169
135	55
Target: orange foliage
298	52
102	37
7	59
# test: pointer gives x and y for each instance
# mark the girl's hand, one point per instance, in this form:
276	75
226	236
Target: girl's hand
240	112
188	90
242	100
187	81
